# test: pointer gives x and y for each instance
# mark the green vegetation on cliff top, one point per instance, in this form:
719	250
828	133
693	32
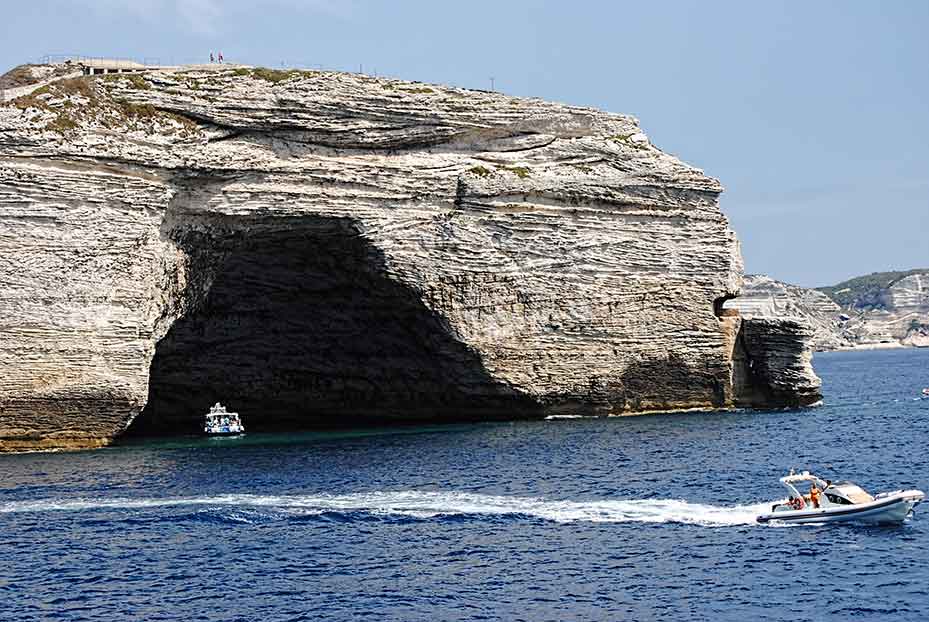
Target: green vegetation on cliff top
79	100
865	291
272	75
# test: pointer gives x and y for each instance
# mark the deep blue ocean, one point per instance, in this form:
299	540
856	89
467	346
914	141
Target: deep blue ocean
634	518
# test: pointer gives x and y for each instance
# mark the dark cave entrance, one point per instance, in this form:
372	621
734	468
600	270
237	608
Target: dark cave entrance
720	309
298	326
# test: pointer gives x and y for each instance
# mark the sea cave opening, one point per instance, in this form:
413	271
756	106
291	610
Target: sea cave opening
299	325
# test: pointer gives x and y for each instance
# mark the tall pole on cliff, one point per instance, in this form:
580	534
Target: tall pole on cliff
491	83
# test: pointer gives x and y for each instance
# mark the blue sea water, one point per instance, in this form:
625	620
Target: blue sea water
636	518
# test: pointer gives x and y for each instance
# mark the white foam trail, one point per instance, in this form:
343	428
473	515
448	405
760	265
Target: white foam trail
560	417
429	504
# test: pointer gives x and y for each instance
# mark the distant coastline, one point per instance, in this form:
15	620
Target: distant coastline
882	310
893	345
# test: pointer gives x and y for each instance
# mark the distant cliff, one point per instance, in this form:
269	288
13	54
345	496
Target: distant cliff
882	309
319	248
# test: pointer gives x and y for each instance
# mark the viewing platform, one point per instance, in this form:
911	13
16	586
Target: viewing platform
100	66
95	66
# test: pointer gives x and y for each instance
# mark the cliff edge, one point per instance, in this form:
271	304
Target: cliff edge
318	248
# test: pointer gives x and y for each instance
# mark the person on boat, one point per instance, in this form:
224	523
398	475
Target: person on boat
814	495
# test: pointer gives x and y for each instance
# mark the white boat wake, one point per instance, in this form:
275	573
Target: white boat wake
421	504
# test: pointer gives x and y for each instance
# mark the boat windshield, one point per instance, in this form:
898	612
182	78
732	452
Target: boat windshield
853	493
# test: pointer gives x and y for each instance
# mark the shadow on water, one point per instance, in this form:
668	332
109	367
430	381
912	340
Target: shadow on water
270	439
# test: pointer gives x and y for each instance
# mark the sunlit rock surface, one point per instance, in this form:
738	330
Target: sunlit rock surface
878	310
337	249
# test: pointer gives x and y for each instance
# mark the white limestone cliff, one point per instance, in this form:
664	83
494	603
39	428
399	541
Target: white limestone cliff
333	249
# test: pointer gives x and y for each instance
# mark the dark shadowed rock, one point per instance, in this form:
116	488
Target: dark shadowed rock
771	365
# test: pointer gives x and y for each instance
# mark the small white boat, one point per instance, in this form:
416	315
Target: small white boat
219	422
829	502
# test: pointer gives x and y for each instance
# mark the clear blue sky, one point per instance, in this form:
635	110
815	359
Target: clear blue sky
815	115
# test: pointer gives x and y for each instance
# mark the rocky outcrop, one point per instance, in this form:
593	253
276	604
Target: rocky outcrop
335	249
902	312
772	362
881	309
26	78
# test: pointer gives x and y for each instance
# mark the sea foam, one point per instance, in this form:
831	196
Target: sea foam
428	504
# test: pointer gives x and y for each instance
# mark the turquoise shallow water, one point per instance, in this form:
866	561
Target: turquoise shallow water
584	519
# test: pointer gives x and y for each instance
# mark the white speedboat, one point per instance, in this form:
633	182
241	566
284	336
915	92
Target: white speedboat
829	502
219	422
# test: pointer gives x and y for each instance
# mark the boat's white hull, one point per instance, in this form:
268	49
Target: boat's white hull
889	508
224	431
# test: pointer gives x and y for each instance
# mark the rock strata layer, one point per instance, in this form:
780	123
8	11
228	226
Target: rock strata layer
336	249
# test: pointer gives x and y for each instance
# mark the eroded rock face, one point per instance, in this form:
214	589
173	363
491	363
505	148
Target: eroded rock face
772	362
332	249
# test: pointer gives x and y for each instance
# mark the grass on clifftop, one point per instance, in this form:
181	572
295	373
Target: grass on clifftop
273	75
62	88
626	139
135	81
866	291
520	171
23	75
17	76
76	100
417	90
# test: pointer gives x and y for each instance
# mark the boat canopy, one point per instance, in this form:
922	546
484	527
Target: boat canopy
219	411
837	492
852	492
805	476
792	479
